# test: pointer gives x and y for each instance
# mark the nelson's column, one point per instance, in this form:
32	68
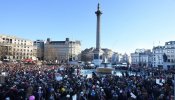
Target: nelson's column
98	52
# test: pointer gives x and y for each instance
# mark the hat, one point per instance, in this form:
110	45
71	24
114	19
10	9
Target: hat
97	86
93	86
81	93
62	89
32	97
65	76
8	98
121	91
68	96
102	89
52	89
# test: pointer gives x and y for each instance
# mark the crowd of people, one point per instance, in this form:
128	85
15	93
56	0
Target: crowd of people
39	82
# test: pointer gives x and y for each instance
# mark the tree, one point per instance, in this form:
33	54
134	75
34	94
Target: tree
87	54
3	51
165	57
86	57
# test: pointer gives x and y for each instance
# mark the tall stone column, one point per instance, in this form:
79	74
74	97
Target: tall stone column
98	13
97	52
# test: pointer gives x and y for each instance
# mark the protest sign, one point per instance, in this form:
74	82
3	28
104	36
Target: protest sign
58	77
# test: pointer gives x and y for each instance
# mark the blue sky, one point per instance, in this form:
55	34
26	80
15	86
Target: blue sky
125	24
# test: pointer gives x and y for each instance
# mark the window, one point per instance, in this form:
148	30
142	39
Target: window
168	51
172	51
168	60
172	60
10	40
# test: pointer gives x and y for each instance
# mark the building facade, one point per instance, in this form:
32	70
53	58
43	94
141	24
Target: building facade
125	58
141	57
167	50
118	58
16	48
62	50
40	49
170	53
158	56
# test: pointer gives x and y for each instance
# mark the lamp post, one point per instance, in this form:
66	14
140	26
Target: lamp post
174	86
71	51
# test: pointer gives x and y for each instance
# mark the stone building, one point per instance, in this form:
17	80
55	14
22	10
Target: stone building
62	51
14	48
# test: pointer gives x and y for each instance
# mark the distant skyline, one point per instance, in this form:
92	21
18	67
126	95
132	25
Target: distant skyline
125	24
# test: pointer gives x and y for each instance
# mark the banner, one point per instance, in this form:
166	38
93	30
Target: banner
74	97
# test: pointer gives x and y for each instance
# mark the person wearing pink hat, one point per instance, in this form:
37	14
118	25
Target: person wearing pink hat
32	97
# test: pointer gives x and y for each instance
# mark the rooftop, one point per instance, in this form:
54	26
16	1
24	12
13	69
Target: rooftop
169	42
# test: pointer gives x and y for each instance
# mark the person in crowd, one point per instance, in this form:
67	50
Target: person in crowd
33	82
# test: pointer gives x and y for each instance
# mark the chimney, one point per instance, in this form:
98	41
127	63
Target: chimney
67	39
48	39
